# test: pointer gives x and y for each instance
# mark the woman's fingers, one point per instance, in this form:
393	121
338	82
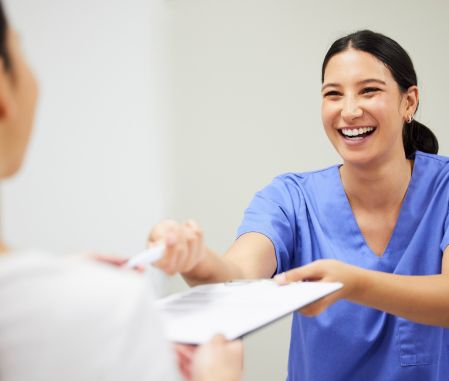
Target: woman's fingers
312	271
184	357
183	242
219	359
194	244
319	306
164	231
236	347
108	258
321	270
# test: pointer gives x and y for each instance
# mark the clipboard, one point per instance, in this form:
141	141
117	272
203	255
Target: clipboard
235	308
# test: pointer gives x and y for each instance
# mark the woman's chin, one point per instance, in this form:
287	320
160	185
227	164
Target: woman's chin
357	158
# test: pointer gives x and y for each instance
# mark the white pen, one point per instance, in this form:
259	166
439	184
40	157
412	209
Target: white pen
147	256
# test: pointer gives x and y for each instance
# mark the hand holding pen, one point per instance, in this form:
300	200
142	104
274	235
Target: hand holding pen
183	243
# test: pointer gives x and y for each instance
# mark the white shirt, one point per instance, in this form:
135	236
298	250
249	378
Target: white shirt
64	320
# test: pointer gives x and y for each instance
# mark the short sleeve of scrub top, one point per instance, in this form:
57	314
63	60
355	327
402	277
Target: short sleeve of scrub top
270	214
445	241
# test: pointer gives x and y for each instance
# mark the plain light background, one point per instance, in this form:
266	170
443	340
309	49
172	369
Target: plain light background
184	109
95	175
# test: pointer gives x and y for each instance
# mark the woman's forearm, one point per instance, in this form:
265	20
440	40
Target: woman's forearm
251	256
212	269
422	299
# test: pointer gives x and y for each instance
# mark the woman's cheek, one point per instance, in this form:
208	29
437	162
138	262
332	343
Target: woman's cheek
378	108
329	113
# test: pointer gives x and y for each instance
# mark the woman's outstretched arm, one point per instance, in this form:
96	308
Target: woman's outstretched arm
422	299
250	256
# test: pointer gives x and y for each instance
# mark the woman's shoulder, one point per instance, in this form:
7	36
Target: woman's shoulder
431	174
432	166
301	179
295	185
432	158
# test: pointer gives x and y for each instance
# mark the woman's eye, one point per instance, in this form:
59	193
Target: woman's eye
368	90
332	93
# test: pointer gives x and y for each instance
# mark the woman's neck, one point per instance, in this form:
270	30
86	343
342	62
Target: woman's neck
377	186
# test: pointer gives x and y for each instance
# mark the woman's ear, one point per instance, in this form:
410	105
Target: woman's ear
412	100
7	103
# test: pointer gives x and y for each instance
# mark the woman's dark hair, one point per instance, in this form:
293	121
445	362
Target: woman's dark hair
415	135
3	30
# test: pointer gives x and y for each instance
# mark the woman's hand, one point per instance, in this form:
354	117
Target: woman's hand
218	360
184	245
325	270
184	357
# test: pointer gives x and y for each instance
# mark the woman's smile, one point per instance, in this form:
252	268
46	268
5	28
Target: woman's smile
356	135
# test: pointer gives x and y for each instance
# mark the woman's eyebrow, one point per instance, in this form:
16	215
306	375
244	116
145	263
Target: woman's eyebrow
362	82
329	85
372	80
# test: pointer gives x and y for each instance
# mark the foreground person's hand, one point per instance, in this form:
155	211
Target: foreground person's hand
218	360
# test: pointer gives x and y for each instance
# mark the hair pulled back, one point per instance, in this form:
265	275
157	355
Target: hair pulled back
415	135
3	46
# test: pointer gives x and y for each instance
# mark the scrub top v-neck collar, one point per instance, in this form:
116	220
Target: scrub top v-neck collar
403	229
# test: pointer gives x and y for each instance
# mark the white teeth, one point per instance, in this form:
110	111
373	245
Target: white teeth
356	131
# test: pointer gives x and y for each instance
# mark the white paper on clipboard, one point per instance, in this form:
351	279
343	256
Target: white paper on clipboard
234	309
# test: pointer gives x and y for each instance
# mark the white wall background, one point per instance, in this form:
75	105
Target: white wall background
95	176
246	105
239	92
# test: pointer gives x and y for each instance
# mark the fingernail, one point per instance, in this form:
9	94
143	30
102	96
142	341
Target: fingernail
280	279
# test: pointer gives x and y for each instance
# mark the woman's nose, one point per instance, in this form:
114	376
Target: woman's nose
351	110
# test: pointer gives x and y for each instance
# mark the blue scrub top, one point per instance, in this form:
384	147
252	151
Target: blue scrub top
307	216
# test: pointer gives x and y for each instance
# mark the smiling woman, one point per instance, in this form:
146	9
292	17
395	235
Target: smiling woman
396	79
378	223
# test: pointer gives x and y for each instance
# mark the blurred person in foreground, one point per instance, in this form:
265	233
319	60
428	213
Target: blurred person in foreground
78	319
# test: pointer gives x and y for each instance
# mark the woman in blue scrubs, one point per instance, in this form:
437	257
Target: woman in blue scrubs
378	223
